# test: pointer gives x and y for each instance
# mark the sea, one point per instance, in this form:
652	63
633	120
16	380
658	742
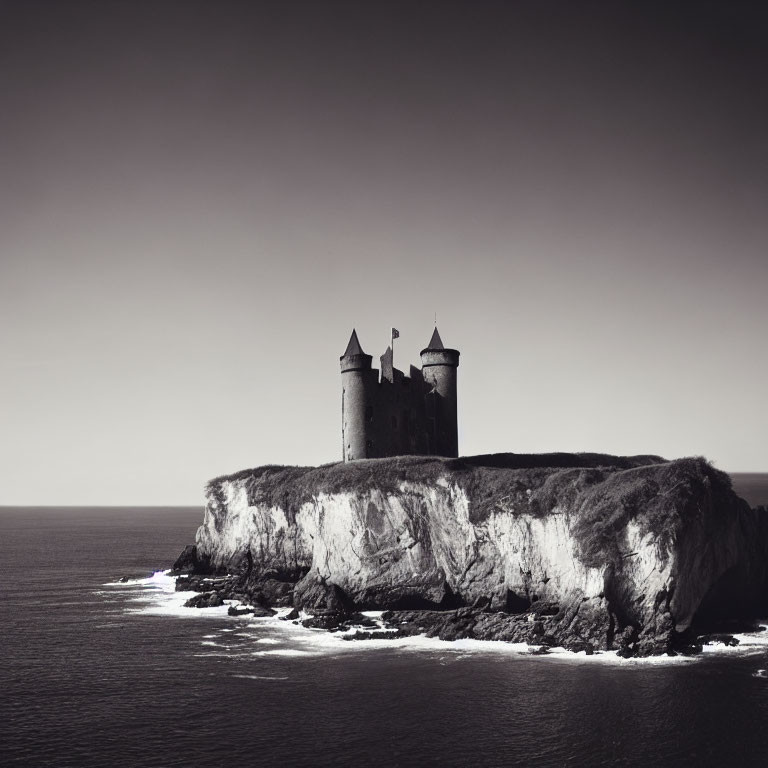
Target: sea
99	673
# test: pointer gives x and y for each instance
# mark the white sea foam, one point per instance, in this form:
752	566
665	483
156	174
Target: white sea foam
749	643
158	596
467	648
612	657
159	578
754	638
260	677
319	641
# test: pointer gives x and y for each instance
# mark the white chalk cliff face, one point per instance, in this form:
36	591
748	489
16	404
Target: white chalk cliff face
415	539
646	544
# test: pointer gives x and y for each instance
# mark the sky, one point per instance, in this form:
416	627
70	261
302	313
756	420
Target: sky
200	200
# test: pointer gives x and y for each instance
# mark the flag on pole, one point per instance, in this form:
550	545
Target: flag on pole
395	333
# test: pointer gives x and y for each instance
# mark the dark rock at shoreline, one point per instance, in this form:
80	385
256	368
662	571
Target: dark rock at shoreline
581	625
186	562
336	621
317	595
718	638
278	593
205	600
377	635
627	642
258	611
358	620
196	583
550	629
581	645
330	620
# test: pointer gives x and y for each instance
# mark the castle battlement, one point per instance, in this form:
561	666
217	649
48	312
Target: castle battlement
394	414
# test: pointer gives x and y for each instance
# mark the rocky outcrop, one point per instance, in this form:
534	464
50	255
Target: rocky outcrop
205	600
586	551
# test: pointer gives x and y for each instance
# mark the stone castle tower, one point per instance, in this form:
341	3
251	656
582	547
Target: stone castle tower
398	414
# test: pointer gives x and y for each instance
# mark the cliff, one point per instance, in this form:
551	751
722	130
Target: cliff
627	552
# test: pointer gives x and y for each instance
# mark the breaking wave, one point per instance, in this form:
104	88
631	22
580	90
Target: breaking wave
156	595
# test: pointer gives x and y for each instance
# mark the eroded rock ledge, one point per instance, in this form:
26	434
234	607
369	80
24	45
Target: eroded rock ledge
586	551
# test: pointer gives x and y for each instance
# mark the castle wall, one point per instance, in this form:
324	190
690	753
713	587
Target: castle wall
398	415
400	422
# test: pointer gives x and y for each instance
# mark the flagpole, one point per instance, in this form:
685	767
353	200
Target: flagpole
392	345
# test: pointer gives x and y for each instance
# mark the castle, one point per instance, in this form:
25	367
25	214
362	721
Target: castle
399	414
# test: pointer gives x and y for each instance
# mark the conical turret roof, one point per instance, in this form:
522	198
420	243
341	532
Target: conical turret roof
435	342
353	348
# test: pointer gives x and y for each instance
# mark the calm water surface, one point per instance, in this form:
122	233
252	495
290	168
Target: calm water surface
95	675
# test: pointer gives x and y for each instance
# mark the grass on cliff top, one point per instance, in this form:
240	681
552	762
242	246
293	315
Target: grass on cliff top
368	473
600	493
659	499
488	479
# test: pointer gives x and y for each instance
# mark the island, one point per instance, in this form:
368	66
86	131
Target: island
588	552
